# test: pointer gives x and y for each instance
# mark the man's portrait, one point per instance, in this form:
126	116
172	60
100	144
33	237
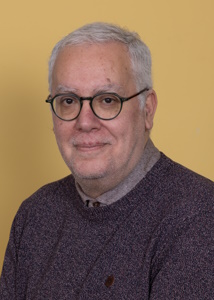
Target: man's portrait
127	221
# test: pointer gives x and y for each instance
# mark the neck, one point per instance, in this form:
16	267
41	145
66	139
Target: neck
94	188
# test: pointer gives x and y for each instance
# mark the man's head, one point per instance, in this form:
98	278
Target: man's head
100	33
91	61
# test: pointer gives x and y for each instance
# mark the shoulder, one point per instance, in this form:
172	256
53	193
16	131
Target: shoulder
188	182
180	180
48	204
176	192
50	193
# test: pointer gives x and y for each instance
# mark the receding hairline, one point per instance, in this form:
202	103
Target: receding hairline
92	43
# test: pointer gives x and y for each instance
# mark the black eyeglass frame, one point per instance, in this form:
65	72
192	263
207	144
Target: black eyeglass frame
81	99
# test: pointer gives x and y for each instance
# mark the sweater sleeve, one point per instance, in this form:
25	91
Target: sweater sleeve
184	267
10	266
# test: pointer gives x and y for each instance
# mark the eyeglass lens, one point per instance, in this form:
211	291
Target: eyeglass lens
105	106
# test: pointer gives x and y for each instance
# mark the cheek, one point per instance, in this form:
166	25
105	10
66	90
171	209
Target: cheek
62	131
124	137
132	127
134	134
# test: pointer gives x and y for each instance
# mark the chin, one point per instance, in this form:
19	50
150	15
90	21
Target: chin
88	175
88	172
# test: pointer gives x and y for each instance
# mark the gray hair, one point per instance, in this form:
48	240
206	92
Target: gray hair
100	32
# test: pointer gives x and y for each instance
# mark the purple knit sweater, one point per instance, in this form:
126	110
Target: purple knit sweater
157	242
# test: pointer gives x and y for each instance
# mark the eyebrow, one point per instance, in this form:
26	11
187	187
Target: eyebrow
112	87
64	89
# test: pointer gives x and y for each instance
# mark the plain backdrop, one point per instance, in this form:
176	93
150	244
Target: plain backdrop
180	36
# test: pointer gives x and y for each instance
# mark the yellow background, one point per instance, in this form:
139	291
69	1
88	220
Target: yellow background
180	35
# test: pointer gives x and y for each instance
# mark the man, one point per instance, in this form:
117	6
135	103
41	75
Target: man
129	223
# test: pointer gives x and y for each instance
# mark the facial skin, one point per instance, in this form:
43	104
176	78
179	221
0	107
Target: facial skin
100	154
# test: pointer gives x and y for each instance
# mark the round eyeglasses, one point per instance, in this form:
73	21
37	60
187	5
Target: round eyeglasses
106	106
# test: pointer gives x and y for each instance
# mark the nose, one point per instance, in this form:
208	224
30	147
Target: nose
87	120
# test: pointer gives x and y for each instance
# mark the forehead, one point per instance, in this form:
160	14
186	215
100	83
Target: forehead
107	62
109	50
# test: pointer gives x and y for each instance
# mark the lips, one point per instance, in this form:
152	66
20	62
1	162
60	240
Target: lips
90	143
87	147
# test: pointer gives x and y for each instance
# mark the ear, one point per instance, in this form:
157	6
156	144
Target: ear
150	109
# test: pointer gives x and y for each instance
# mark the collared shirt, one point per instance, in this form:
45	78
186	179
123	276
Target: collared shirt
150	156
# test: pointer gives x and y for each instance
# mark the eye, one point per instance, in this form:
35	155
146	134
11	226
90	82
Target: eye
67	101
108	100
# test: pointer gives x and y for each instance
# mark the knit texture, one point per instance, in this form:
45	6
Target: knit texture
155	243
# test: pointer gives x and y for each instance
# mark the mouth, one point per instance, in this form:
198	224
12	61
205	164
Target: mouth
90	147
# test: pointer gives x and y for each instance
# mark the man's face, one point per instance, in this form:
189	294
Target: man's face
92	148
